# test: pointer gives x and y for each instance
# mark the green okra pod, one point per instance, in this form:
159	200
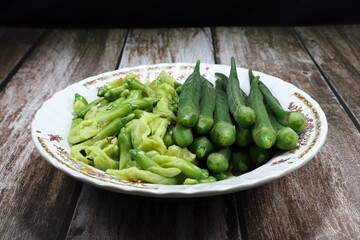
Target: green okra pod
259	156
292	119
182	136
223	133
264	135
189	99
243	114
201	147
219	161
286	137
240	160
207	107
243	136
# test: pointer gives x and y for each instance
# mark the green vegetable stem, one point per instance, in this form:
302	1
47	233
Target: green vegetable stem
93	130
101	91
114	93
79	102
134	174
124	146
80	113
188	168
146	163
126	108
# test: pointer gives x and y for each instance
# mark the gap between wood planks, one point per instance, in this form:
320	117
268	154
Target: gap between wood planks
21	61
331	86
62	234
239	207
63	231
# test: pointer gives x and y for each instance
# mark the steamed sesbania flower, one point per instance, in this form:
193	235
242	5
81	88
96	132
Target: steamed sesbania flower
103	154
147	132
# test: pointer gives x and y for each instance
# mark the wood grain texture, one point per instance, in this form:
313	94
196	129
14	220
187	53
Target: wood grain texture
320	200
15	43
106	215
34	196
336	49
117	216
167	45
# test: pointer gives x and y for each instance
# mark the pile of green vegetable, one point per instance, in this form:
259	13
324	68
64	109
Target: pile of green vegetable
165	132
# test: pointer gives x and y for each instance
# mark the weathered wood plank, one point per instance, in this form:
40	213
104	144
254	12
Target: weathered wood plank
34	197
117	216
320	200
15	43
151	46
336	49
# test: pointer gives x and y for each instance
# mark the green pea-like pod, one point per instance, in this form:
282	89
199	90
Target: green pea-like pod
188	168
146	163
133	174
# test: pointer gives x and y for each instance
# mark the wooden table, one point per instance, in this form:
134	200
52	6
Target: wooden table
321	200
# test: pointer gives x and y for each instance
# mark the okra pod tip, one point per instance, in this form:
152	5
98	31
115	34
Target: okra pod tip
297	121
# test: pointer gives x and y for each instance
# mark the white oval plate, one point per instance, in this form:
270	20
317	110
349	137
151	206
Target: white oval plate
52	121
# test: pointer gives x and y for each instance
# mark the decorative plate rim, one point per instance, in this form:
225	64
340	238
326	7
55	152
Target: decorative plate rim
48	144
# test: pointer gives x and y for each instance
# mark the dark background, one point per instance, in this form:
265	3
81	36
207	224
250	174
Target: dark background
161	13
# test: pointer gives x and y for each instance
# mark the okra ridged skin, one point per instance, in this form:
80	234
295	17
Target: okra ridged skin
189	99
243	115
264	135
223	133
295	120
201	146
240	160
286	137
219	161
207	107
182	136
